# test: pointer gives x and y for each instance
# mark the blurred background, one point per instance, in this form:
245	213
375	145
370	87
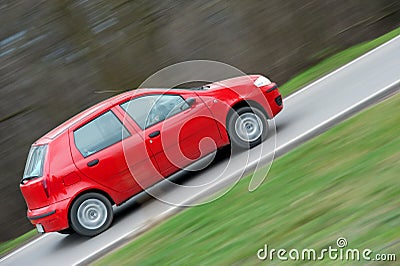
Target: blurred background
59	57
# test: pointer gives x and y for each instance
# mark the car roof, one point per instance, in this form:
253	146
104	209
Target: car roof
95	110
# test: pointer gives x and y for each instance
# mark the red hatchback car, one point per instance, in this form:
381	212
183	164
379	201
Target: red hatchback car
115	149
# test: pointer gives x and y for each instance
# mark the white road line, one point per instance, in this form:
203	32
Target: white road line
281	147
22	248
342	67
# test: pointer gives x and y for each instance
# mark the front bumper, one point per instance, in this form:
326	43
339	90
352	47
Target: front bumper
51	218
274	98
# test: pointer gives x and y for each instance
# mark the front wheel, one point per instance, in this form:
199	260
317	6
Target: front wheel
247	127
91	214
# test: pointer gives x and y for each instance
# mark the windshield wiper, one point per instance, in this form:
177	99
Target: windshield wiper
28	178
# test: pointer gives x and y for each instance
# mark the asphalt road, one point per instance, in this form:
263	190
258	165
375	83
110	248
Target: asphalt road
306	113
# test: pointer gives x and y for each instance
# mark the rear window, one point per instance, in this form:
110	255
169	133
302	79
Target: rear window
35	162
99	134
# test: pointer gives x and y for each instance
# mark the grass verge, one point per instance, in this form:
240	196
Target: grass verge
17	242
344	183
334	62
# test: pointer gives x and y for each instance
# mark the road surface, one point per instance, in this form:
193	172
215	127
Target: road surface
305	114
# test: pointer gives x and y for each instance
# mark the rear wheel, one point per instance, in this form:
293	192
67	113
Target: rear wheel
247	127
91	214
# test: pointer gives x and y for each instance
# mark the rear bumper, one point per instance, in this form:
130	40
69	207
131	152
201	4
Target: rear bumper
53	217
41	215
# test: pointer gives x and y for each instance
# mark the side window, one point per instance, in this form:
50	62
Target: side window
151	109
99	133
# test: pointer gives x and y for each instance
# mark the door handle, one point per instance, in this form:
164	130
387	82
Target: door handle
154	134
93	163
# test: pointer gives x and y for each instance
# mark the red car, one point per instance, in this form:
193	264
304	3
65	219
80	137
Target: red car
115	149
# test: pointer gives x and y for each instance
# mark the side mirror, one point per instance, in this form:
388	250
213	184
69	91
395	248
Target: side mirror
190	101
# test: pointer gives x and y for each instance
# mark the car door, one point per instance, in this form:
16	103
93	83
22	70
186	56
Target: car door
177	128
100	147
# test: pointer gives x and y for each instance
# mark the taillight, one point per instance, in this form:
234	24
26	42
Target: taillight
34	183
35	193
46	189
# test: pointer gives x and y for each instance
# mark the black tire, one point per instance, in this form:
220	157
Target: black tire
242	127
91	214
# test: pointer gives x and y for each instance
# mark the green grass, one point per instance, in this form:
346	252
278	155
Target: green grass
334	62
13	244
344	183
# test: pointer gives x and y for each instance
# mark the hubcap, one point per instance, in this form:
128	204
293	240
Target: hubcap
248	127
92	214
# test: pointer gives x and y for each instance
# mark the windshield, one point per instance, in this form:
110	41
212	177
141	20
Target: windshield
35	162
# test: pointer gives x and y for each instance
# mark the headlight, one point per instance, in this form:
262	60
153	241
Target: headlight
262	81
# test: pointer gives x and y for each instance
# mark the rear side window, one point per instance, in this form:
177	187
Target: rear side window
99	134
34	164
